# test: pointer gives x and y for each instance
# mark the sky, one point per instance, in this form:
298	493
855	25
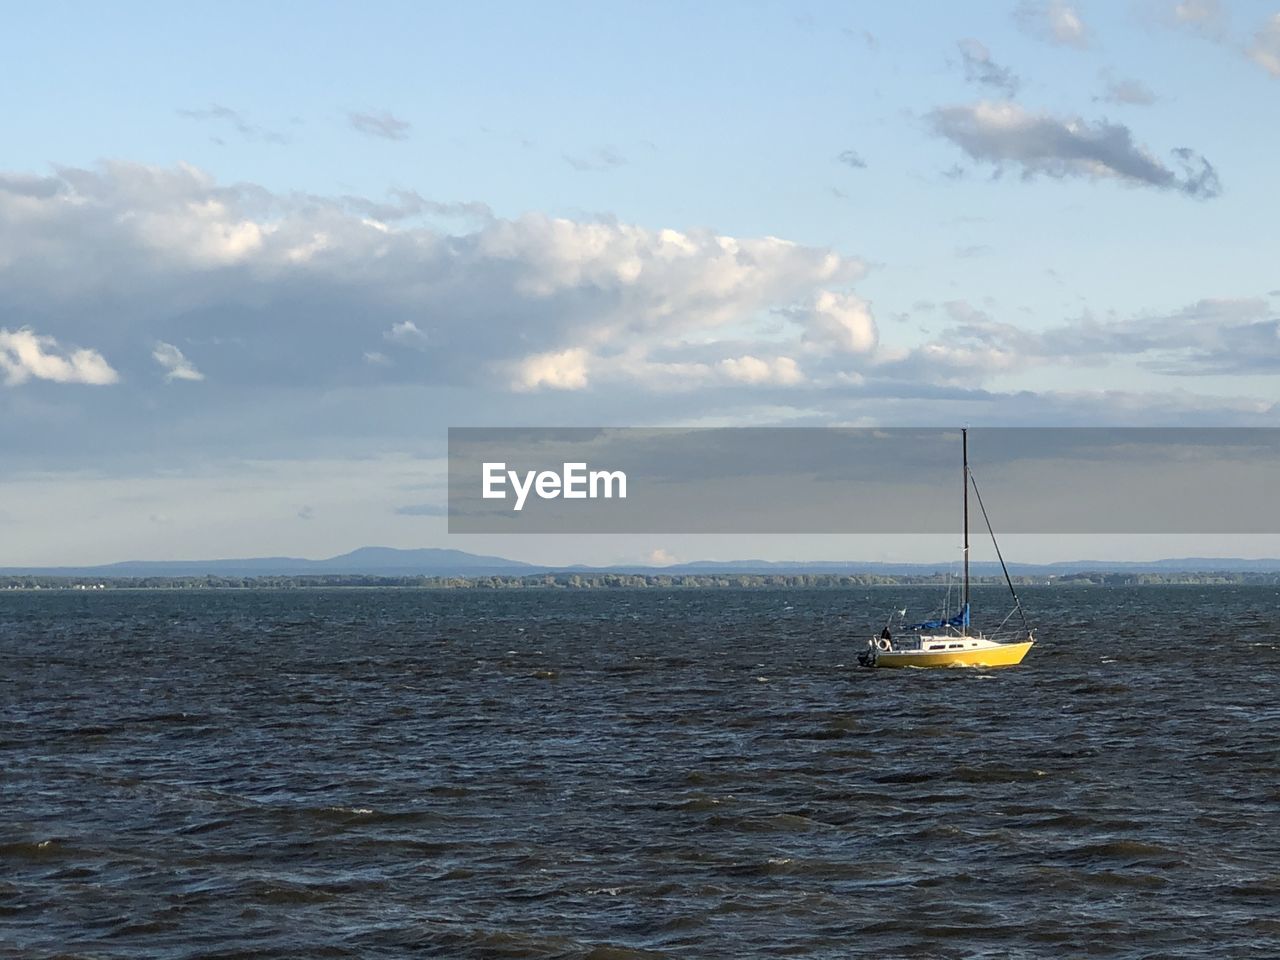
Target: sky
256	259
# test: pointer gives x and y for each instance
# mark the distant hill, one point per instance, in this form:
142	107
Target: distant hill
372	561
435	562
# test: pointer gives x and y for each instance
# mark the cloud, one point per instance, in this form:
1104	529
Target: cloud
409	204
979	68
1207	17
1132	93
422	510
837	323
407	334
1053	21
25	355
1264	50
659	557
177	366
301	290
563	370
1209	337
1224	335
293	306
138	223
851	158
380	124
1007	135
250	131
865	37
753	370
597	161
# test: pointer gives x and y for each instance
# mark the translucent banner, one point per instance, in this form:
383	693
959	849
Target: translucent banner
849	480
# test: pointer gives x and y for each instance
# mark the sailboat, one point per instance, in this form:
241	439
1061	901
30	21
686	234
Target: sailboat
948	642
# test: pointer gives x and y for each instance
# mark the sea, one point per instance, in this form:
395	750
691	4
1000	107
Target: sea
634	773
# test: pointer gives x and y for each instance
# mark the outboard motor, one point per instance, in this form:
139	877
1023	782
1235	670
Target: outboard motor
867	658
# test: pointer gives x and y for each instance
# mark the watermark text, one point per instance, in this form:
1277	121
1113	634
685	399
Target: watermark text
573	482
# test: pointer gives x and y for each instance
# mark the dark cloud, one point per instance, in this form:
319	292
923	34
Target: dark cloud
1009	136
865	37
979	68
851	158
237	121
1216	336
380	124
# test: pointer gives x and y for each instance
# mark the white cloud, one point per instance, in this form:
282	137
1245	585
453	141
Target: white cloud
136	259
140	224
566	370
1264	50
406	333
781	371
658	557
301	289
176	365
1206	16
1054	21
24	355
838	322
1209	19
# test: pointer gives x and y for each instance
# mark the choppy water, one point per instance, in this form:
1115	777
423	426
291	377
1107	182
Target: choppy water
631	774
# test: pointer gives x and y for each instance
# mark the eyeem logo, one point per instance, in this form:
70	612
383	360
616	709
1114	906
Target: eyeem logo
574	482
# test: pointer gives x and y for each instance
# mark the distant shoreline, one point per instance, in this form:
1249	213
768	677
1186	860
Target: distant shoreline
620	581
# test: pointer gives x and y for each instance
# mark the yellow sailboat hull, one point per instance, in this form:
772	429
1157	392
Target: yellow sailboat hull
996	655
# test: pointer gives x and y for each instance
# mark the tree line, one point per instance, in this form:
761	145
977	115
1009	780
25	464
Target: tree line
613	581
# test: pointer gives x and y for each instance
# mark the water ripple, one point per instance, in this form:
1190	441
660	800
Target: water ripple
631	774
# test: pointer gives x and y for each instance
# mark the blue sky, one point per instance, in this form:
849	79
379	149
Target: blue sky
254	259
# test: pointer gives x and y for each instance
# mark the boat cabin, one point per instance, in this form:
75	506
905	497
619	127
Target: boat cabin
941	643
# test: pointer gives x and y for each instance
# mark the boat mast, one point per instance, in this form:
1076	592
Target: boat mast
964	443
